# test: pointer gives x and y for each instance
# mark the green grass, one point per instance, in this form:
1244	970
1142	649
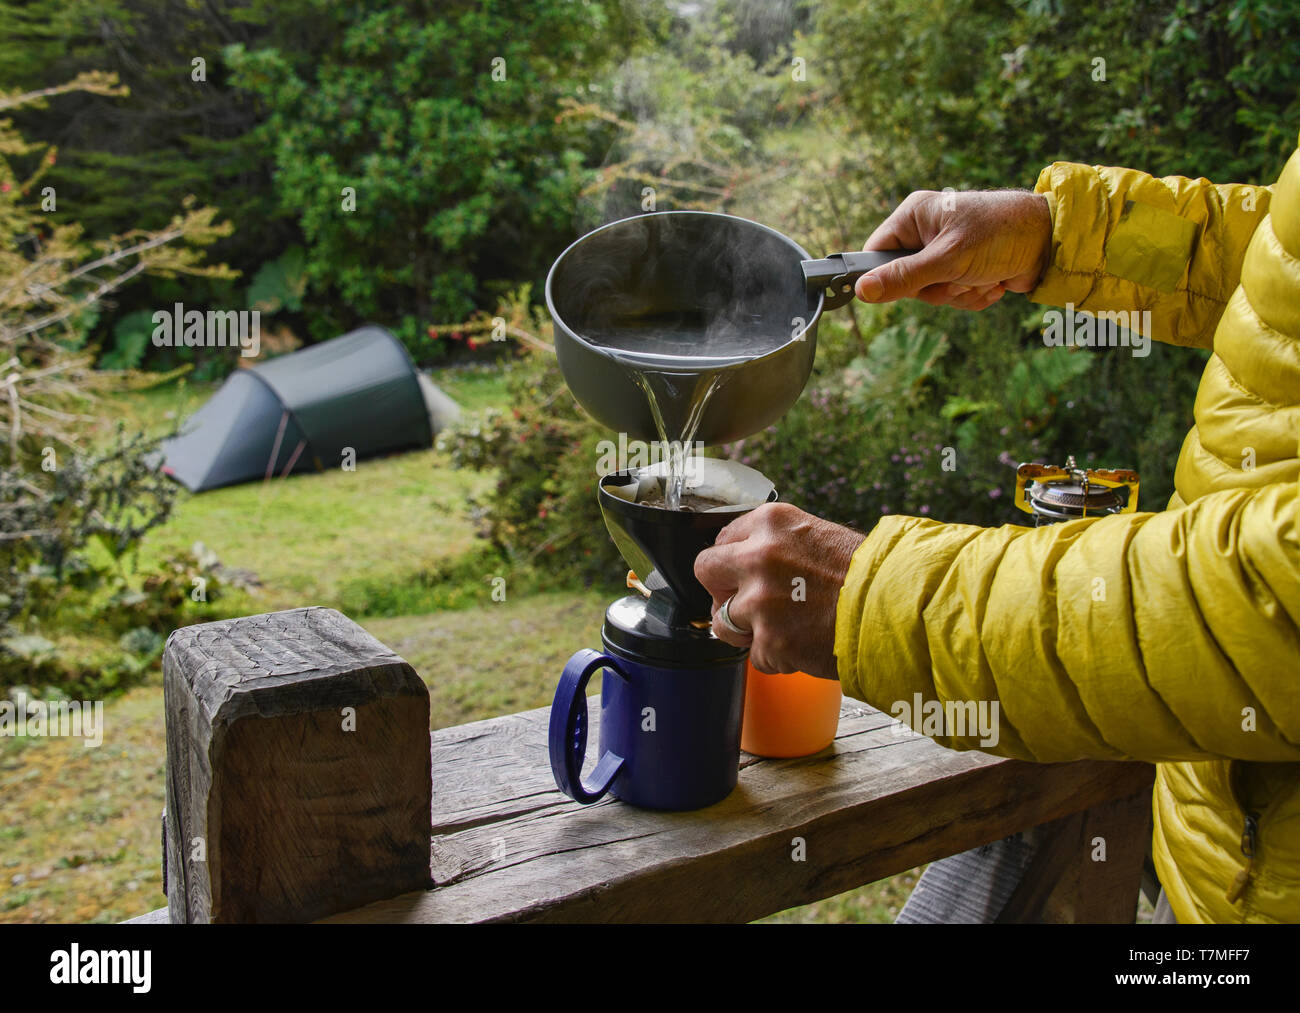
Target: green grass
81	835
328	538
312	537
496	659
308	537
878	903
474	388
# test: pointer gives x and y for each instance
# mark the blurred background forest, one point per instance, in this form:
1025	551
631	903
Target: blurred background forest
163	151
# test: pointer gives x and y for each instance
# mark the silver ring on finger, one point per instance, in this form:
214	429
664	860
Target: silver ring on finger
724	617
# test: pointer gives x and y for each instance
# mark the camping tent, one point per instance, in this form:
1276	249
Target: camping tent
304	410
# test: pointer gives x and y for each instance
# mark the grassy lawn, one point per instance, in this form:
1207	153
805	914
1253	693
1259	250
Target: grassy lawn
313	538
310	537
80	837
496	659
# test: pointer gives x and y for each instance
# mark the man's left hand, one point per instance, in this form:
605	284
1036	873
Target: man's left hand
785	569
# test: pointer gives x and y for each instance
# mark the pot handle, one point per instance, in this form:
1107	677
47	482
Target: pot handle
568	730
837	273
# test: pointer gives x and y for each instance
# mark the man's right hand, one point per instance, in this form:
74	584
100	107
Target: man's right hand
974	246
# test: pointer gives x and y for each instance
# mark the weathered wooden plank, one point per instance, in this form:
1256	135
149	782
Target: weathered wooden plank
159	916
880	800
1107	891
1088	866
298	778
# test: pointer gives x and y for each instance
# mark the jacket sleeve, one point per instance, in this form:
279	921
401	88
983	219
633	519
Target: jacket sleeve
1126	241
1151	636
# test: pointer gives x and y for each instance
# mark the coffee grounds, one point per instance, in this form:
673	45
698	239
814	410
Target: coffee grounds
691	503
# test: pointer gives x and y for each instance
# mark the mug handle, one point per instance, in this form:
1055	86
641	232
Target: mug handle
568	730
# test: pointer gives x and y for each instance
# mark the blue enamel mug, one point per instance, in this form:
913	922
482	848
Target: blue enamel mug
669	734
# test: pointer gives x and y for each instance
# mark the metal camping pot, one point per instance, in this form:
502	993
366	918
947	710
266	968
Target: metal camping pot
740	299
1055	494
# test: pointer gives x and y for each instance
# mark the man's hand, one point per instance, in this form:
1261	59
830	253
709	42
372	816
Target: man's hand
785	568
973	247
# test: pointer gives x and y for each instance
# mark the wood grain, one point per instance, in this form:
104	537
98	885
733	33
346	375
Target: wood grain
1086	866
509	847
280	808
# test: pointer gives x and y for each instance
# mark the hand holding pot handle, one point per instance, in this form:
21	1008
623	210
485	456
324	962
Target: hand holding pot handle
971	248
837	273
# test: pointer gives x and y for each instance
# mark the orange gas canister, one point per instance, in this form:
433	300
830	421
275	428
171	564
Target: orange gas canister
789	714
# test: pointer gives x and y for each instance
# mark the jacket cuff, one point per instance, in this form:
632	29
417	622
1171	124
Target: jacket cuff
1077	203
850	652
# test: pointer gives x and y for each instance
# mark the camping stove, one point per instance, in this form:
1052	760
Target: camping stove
1054	494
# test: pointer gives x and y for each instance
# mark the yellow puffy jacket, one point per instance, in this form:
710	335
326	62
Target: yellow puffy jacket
1192	661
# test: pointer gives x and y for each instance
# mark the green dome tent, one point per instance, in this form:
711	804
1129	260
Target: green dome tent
304	410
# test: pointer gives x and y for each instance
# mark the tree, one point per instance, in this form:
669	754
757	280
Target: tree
421	152
51	280
126	160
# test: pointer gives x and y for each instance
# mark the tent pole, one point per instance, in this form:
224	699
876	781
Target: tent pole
275	450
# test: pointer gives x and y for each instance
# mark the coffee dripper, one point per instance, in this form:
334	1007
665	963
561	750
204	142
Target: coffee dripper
672	694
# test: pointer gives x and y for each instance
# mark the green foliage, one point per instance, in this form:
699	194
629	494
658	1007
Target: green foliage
125	163
542	513
421	155
977	93
110	498
898	361
694	119
70	517
131	337
829	457
65	547
98	595
853	454
984	94
866	441
280	283
1037	379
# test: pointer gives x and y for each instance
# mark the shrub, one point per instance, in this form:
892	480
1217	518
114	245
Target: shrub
983	94
542	512
70	516
422	156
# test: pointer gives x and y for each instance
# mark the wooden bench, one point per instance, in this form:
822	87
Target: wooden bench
305	821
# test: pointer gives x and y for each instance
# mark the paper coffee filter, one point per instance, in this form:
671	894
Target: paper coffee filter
716	478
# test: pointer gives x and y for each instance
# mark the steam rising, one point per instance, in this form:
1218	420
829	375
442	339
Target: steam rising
666	286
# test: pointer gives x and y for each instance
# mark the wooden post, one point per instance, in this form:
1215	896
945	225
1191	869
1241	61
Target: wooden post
298	769
1087	867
